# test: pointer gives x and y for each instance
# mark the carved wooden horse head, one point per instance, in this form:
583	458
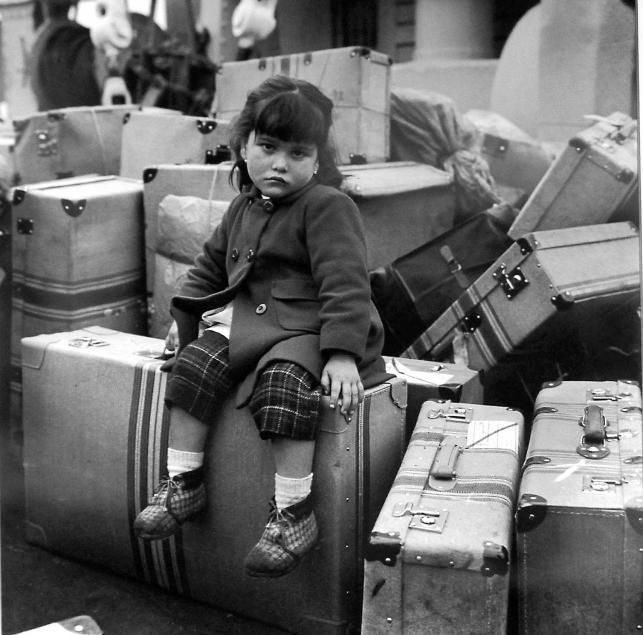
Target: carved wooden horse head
69	62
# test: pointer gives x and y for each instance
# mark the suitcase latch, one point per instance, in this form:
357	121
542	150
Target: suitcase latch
600	484
454	413
511	282
425	518
45	143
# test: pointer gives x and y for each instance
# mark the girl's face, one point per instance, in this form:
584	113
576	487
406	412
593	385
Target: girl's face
277	167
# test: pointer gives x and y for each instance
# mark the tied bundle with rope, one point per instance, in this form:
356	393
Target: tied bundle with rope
426	127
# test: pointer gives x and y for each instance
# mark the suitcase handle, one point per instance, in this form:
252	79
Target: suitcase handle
446	457
592	444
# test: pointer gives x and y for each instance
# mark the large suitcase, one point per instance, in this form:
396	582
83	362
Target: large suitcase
150	139
95	444
403	204
593	180
357	79
430	381
579	519
438	556
413	290
547	286
71	141
77	256
209	182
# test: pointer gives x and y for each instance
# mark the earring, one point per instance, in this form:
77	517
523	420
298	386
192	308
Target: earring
316	170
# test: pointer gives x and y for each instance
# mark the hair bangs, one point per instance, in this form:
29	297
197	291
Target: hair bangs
290	116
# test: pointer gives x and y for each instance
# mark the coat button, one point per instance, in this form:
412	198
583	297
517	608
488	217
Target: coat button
234	254
261	309
250	255
269	206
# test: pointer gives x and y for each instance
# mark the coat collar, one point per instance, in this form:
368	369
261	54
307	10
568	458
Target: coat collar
255	195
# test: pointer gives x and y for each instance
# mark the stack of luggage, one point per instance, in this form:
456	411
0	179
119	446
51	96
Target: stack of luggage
508	282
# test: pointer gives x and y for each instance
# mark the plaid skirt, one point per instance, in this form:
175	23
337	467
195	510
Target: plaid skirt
285	401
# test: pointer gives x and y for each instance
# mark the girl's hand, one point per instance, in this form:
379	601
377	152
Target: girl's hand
342	382
172	338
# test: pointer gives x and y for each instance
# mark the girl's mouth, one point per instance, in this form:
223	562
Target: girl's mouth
276	179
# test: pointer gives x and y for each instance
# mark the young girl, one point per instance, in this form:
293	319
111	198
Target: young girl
283	289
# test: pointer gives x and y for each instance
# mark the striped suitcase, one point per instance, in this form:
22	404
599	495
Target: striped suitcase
579	520
94	397
437	560
546	286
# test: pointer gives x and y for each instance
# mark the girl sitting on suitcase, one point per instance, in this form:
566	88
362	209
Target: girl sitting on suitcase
282	290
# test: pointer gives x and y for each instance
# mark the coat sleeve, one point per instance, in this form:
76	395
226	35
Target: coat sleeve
337	249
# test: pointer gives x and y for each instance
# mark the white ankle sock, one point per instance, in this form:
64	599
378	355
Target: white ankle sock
289	491
179	461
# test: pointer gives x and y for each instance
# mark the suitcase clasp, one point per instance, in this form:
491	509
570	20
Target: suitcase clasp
511	282
46	144
454	413
425	518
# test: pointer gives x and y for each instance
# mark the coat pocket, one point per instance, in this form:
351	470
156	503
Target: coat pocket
296	305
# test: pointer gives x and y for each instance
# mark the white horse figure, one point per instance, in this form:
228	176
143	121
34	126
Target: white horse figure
112	35
71	63
253	20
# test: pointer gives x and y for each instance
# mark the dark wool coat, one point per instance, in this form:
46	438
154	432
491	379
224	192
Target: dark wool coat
296	268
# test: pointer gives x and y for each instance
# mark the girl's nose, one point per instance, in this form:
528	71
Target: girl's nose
279	162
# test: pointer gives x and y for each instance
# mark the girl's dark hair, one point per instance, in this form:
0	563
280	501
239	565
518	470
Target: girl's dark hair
291	110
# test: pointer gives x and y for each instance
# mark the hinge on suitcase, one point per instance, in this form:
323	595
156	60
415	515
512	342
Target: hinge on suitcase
512	282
